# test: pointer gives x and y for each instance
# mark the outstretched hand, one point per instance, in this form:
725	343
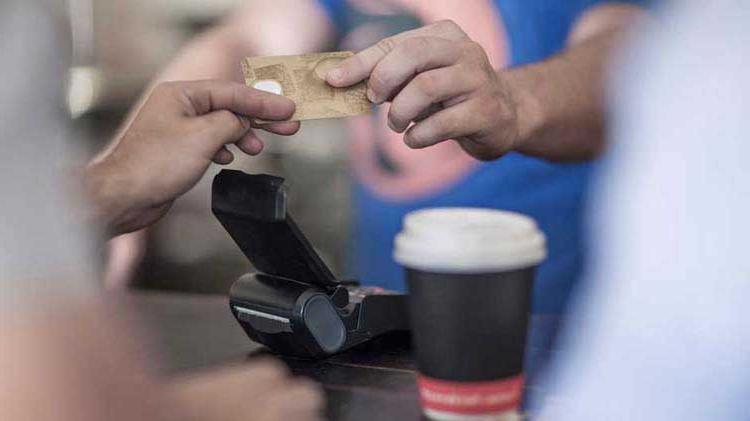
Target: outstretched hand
179	131
441	86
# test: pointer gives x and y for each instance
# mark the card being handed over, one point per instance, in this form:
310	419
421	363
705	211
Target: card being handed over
302	79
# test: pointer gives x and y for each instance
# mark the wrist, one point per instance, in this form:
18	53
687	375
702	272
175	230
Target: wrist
110	194
529	113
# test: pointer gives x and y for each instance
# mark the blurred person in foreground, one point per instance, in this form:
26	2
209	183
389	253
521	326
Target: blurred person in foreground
661	331
66	352
520	79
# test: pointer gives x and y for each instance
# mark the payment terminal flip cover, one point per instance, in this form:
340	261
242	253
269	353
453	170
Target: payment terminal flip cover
293	303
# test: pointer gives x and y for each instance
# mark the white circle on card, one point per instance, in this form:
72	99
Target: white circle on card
269	86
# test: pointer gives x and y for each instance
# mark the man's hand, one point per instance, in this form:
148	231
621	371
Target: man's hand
439	79
179	131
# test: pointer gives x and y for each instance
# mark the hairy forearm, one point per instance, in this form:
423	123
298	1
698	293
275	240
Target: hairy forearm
560	101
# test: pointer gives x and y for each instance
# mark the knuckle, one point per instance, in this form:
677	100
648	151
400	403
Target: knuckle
261	104
379	80
447	24
416	45
354	63
428	83
474	49
386	45
222	120
450	27
396	114
226	116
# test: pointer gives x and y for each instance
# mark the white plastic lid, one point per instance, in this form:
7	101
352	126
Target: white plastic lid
469	240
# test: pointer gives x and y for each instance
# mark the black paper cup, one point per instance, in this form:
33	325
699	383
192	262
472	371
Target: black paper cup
470	273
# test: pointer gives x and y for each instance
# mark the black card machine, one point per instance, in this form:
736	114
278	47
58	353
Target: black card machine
293	304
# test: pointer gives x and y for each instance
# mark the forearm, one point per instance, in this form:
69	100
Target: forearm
560	101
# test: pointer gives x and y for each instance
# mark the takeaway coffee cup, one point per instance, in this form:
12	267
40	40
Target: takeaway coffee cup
470	273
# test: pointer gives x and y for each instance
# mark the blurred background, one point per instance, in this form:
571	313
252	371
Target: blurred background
119	46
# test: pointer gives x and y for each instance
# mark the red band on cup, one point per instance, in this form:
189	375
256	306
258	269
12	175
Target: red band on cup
470	398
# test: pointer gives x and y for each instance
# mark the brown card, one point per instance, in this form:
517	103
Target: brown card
302	79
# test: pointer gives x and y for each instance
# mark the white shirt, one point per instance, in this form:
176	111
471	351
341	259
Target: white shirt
44	244
662	331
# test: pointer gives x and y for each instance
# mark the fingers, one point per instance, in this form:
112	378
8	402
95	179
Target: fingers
208	96
460	120
226	127
409	58
223	110
285	128
223	156
433	87
222	127
250	144
358	67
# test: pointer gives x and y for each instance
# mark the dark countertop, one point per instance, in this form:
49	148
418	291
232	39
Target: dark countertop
373	381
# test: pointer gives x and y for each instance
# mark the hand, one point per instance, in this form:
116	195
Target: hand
439	79
179	131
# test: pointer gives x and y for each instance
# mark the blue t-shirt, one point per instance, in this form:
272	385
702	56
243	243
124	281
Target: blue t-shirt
553	194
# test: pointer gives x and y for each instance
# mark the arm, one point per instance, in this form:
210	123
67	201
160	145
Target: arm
257	27
659	330
67	354
561	108
442	81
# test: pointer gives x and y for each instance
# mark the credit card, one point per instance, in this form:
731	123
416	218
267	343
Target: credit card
302	79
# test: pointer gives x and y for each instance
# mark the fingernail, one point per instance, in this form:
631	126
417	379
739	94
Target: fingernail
246	122
335	74
257	145
371	96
